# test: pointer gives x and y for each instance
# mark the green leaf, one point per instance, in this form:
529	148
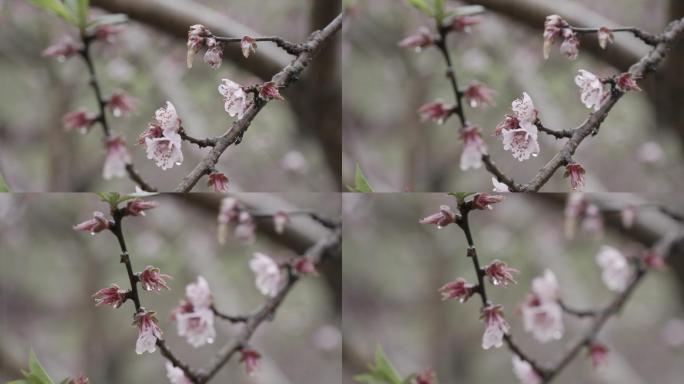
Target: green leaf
439	10
360	181
421	5
37	373
3	185
460	196
382	372
56	7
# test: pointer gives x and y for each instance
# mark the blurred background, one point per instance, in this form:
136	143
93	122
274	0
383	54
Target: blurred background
393	267
638	149
48	273
291	146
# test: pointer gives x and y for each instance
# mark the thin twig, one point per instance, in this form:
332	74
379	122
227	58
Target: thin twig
289	47
646	37
282	79
101	103
318	251
208	142
117	230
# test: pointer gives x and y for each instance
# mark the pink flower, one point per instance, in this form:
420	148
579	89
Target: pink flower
498	186
627	216
500	274
248	46
495	326
148	332
97	224
194	316
457	289
598	354
176	375
64	48
196	326
164	149
138	207
615	269
575	172
553	28
267	274
112	295
626	82
418	41
436	111
199	294
570	46
117	158
463	23
234	98
519	132
473	148
654	259
591	89
304	266
605	37
478	95
441	219
120	103
246	228
107	33
250	358
484	201
152	279
214	56
574	208
542	314
524	371
196	39
280	219
80	120
428	376
81	379
593	221
229	211
218	182
269	91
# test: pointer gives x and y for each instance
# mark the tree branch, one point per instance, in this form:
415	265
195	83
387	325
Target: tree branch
282	79
317	252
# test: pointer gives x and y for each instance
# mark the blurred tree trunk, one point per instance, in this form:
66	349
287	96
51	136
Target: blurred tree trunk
668	92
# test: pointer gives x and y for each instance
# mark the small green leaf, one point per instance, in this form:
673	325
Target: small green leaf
3	185
56	7
421	5
360	181
460	196
37	373
439	10
382	372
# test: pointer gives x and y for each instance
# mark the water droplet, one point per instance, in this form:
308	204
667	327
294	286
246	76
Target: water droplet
92	233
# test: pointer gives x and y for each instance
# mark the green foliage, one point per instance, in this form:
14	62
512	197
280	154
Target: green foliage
439	10
460	196
36	373
3	185
58	8
361	184
382	372
421	5
115	198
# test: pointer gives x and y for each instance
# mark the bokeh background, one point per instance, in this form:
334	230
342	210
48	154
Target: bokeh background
393	267
291	146
638	149
48	273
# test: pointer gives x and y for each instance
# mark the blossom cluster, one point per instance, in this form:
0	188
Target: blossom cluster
542	310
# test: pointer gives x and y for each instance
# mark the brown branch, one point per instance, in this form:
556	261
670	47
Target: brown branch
101	103
208	142
646	65
646	37
282	79
317	252
289	47
117	229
